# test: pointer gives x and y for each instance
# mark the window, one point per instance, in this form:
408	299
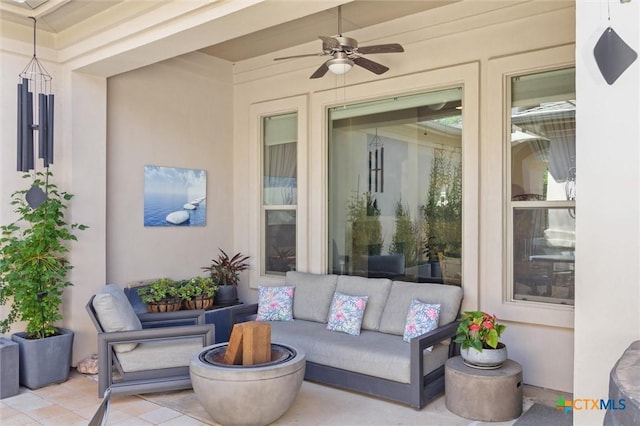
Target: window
395	188
279	192
543	186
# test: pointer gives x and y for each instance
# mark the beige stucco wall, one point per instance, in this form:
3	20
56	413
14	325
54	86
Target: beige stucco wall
607	313
174	114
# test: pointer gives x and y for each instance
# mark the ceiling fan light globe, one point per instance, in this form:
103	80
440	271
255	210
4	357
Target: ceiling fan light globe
340	65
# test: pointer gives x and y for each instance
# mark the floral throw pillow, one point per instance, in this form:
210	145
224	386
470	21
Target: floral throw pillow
346	313
422	317
275	303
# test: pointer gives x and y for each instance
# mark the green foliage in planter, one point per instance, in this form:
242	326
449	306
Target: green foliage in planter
197	286
33	259
158	290
225	270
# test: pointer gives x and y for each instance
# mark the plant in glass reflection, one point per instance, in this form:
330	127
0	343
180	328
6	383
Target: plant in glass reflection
33	259
443	210
366	231
409	236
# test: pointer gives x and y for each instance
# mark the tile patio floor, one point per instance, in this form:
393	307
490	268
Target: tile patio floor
75	401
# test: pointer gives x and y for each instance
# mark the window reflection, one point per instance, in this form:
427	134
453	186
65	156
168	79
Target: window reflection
395	188
543	186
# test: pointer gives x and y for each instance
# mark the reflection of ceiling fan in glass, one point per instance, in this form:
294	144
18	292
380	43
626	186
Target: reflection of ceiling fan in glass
345	53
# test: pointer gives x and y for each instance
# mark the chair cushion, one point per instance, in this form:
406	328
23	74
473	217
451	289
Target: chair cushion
346	313
275	303
422	317
377	289
313	295
115	313
402	293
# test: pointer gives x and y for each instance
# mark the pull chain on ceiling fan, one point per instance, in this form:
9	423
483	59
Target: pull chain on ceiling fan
345	53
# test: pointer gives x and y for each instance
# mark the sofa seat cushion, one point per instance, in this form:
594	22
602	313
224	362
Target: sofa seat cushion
160	354
402	293
372	353
313	295
377	291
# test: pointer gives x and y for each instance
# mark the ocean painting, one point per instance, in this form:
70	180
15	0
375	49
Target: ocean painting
174	196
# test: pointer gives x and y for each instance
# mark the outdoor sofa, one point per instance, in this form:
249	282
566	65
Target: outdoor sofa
377	361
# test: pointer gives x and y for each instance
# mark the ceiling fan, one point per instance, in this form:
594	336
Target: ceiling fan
344	52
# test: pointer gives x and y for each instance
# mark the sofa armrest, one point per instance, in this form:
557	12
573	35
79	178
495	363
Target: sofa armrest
430	338
418	345
244	313
175	318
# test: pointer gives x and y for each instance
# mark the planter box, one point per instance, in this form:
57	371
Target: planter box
44	361
8	368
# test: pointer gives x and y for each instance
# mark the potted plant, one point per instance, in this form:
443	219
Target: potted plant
197	292
161	295
224	270
479	337
33	276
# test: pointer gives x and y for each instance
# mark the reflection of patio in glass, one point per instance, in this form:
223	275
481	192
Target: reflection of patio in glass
543	186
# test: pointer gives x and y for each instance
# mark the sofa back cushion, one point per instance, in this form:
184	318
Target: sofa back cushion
313	295
377	290
115	313
402	293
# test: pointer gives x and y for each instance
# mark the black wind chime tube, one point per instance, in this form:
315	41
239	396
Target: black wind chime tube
382	169
376	170
45	129
25	127
370	171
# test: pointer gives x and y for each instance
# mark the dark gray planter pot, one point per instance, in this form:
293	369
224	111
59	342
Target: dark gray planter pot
44	361
226	295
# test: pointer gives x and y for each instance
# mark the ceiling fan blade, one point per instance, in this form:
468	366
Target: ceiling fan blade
329	42
381	48
320	71
299	56
374	67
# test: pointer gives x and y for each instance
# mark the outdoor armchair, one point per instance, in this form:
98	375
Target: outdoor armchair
135	359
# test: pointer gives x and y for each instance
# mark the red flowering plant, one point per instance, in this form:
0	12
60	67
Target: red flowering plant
479	330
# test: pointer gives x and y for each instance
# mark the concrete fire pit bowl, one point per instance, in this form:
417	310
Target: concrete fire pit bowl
247	395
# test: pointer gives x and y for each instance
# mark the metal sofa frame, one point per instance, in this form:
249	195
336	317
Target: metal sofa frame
421	389
164	327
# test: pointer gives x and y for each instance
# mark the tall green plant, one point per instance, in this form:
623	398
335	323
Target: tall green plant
33	262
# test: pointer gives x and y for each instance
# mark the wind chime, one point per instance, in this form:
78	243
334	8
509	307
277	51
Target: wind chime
376	164
35	114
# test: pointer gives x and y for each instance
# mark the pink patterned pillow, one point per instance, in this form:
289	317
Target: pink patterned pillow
422	317
346	313
275	303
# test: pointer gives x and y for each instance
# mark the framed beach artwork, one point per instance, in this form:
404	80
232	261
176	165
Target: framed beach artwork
174	196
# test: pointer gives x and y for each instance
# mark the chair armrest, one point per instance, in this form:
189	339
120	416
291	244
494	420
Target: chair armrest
165	319
162	333
243	313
